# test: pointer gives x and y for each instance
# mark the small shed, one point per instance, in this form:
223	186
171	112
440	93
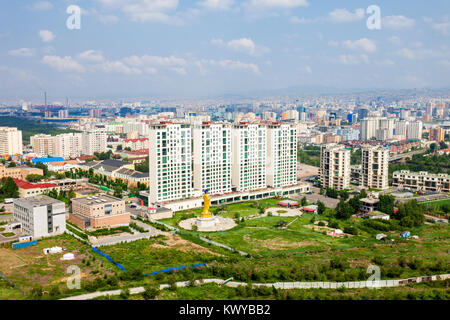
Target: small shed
311	209
68	256
381	236
405	234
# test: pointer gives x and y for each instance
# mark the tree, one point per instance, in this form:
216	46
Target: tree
344	210
118	192
9	188
332	193
433	148
119	147
44	169
151	291
12	165
343	194
355	202
304	202
320	207
410	214
34	178
443	145
386	203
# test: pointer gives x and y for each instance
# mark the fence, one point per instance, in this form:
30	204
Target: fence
176	268
223	246
109	258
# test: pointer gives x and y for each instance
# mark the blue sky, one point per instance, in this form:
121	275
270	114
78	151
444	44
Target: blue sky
145	48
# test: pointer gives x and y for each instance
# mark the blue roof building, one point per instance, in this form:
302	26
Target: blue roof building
47	160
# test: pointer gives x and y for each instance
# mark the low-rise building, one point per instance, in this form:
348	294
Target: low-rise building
421	181
19	172
28	189
40	216
98	211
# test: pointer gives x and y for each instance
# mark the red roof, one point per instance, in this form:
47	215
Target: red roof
136	140
27	185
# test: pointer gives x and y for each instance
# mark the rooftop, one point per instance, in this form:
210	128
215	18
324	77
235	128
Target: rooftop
37	201
27	185
97	199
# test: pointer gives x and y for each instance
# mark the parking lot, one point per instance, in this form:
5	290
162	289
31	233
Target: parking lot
312	198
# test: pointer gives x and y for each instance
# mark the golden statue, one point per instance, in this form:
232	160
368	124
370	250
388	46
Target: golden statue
207	202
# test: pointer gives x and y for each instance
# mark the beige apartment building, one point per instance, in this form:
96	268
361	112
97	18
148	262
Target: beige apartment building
10	141
99	211
375	167
334	168
43	144
421	181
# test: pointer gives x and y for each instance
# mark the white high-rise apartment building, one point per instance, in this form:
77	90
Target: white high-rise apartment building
10	141
170	162
94	141
43	145
249	154
375	167
68	145
414	130
281	155
212	158
376	127
140	127
334	168
368	128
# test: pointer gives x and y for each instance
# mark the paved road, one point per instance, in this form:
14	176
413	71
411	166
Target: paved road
312	198
406	155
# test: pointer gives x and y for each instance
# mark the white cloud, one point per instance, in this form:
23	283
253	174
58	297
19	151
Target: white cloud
23	52
397	22
144	10
217	5
343	15
228	65
348	59
335	16
118	67
278	4
420	54
46	35
63	64
445	63
41	6
244	45
395	40
308	69
108	18
91	56
363	44
442	27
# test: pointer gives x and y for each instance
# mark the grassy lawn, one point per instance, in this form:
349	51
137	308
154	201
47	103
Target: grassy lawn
28	267
242	208
158	254
438	202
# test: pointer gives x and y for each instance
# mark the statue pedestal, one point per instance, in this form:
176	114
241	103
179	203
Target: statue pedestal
206	222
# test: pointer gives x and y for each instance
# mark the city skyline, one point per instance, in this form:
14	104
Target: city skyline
208	48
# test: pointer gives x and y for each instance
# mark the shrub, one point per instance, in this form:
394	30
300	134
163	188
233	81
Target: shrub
151	291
